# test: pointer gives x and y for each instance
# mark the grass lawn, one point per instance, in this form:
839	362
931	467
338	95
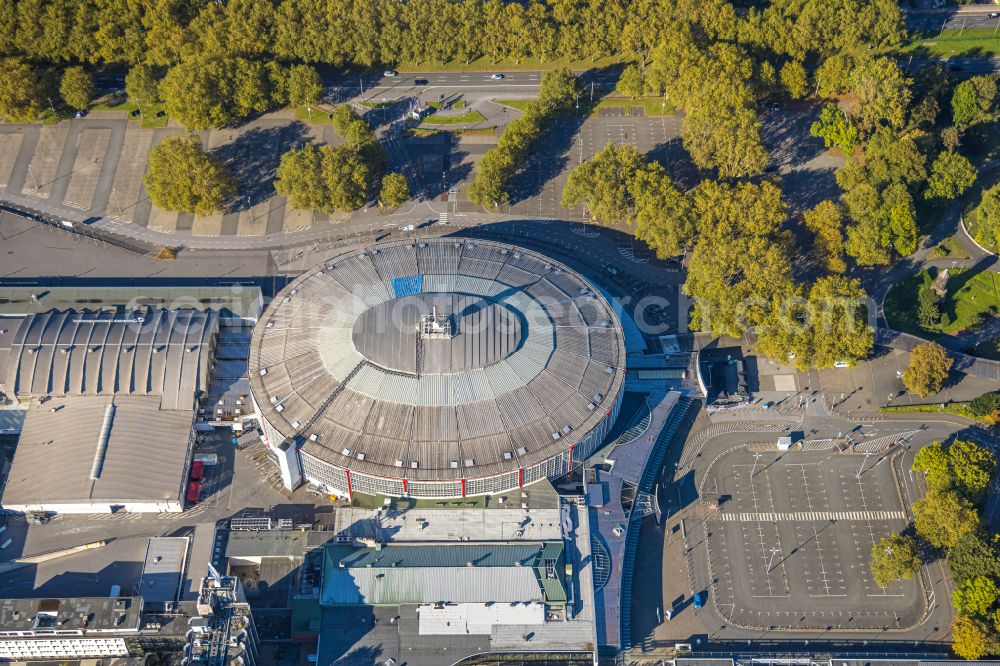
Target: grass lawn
467	118
959	408
651	106
516	104
488	65
969	300
153	115
950	248
952	43
970	212
317	117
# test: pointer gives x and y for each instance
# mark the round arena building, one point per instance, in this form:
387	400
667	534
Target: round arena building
441	367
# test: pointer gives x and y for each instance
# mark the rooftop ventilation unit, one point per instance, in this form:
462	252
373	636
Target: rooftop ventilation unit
102	443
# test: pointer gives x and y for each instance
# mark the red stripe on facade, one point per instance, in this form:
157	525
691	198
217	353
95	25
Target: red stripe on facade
463	487
571	455
520	478
404	487
350	493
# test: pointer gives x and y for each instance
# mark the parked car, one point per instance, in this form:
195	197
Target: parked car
699	599
841	364
197	470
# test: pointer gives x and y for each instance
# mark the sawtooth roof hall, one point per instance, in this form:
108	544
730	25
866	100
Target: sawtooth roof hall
111	398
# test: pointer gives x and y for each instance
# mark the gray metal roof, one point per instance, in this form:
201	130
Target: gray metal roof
462	573
96	614
163	568
152	352
146	452
538	351
243	301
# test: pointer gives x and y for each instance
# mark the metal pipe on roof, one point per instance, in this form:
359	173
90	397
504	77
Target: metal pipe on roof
102	442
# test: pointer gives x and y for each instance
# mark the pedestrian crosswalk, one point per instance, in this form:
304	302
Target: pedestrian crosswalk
811	516
443	218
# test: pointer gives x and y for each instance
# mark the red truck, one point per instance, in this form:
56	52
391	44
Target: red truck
193	493
197	470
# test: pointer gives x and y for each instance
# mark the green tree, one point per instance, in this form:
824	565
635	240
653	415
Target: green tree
741	262
895	557
631	81
928	310
882	91
559	90
973	99
142	86
182	176
825	221
943	517
974	555
605	184
77	87
826	327
350	125
395	190
664	219
794	79
973	467
346	176
929	366
951	175
988	217
836	129
199	92
300	180
19	91
986	406
305	88
971	639
932	460
975	597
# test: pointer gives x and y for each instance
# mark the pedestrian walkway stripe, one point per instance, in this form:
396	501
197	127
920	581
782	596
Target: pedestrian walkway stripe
811	516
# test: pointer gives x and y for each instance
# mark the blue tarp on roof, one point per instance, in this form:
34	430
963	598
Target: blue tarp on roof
408	286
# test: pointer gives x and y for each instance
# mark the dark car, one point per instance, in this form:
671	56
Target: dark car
420	82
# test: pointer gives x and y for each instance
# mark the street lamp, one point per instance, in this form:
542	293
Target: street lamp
864	461
756	457
774	551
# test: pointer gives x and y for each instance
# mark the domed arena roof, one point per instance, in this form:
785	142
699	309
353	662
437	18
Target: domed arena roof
437	359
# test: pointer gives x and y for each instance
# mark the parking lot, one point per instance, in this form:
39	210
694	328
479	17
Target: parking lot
790	541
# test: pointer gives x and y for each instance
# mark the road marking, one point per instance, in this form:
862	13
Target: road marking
810	516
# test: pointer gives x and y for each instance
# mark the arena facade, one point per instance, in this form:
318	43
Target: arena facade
442	367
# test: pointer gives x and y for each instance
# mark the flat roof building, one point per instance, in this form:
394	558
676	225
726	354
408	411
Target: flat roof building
111	399
413	573
67	628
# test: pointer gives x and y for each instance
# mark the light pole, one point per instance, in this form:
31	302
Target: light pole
756	457
864	461
114	193
774	551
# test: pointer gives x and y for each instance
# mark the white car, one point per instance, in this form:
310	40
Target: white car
496	77
389	73
841	364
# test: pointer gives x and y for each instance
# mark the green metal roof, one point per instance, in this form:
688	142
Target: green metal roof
424	573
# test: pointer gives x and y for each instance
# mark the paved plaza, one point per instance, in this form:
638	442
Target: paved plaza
790	542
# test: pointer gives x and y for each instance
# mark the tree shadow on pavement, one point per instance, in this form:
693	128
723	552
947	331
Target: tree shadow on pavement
253	160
